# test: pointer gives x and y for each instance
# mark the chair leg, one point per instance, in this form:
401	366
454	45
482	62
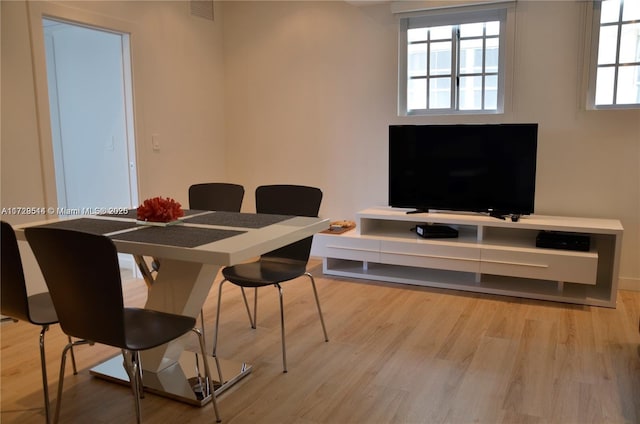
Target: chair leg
252	321
45	384
63	362
284	350
139	375
215	333
202	323
131	363
136	370
73	357
209	381
315	293
255	307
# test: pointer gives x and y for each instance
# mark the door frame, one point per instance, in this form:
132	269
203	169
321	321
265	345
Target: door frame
36	12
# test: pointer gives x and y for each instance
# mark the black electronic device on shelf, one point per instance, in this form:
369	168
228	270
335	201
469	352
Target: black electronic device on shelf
563	240
436	231
487	168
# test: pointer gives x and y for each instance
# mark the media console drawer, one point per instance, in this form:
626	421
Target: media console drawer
345	247
572	267
458	257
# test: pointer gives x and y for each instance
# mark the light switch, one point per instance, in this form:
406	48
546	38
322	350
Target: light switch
155	142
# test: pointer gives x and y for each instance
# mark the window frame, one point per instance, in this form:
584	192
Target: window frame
593	66
457	16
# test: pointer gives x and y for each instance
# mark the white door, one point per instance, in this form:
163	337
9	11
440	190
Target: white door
88	74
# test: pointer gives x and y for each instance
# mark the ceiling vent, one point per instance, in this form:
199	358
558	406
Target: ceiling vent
202	9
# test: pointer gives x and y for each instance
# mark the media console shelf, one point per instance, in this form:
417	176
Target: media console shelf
489	255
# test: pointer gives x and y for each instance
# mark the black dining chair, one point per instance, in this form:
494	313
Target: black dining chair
225	197
16	304
280	265
87	265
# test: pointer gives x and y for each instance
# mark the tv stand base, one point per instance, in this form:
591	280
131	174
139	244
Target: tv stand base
489	256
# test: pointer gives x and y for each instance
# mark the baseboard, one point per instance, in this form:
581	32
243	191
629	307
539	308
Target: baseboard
628	283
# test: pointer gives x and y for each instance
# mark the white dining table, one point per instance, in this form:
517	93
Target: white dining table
190	254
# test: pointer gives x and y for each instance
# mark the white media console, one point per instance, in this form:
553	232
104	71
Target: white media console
489	255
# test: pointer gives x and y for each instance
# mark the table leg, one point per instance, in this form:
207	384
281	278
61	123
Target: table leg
181	288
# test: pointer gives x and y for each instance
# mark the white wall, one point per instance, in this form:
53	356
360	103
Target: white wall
304	92
311	90
177	76
178	94
21	182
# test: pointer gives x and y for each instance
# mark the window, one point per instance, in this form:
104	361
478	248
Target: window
617	53
452	62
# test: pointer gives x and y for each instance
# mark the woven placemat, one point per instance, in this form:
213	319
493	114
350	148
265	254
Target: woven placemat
237	219
176	235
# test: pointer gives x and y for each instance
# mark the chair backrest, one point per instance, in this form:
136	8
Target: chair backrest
13	295
83	276
225	197
290	200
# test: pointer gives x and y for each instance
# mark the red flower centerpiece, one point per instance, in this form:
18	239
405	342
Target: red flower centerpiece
159	210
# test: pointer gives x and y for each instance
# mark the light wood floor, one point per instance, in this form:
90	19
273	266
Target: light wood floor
397	354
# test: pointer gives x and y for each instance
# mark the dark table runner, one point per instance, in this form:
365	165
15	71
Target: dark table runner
176	235
237	219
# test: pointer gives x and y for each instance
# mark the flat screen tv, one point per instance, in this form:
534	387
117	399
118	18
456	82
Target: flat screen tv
487	168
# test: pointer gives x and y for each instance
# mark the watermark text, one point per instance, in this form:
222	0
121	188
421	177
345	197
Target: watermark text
31	210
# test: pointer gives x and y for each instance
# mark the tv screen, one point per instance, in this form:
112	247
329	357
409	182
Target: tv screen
476	167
